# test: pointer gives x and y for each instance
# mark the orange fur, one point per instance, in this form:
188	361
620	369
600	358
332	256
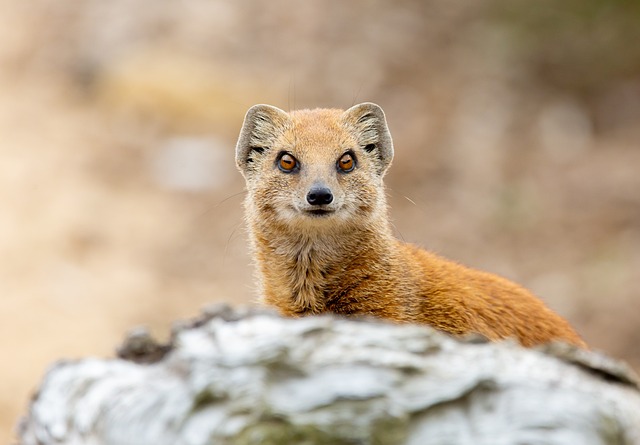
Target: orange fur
346	260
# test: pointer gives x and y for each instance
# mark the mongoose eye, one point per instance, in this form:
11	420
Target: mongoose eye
346	163
287	163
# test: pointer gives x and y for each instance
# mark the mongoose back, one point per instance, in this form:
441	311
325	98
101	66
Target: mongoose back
318	224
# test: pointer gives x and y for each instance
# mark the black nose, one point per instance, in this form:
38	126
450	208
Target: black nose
318	196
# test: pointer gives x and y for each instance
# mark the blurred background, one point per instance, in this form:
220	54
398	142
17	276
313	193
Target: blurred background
516	125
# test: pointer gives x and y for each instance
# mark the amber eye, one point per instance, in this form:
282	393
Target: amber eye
346	163
287	163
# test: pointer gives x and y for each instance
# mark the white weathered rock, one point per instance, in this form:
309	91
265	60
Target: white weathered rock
252	377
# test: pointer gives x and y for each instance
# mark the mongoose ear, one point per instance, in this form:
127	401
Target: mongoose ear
368	122
262	126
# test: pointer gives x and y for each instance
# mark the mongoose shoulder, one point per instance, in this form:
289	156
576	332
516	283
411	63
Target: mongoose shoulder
318	224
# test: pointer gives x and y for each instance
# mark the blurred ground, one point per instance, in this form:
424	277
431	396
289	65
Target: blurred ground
517	151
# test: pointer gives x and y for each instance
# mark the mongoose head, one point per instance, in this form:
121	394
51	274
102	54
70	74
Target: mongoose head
314	168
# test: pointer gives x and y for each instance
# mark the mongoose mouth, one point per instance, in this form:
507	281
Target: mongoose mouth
319	212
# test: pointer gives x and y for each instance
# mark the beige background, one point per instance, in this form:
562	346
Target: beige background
517	151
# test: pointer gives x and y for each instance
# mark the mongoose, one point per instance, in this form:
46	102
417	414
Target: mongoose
318	224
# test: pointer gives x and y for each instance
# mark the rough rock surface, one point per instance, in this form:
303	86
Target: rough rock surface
251	377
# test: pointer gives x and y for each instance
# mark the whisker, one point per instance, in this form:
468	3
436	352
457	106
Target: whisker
355	96
391	194
397	231
226	246
212	208
410	200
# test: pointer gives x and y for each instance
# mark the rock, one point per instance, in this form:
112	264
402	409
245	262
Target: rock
250	377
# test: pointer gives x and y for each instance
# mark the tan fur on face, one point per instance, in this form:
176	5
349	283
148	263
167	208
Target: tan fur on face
348	261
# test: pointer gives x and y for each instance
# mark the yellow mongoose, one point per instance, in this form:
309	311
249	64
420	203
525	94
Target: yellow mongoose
318	225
